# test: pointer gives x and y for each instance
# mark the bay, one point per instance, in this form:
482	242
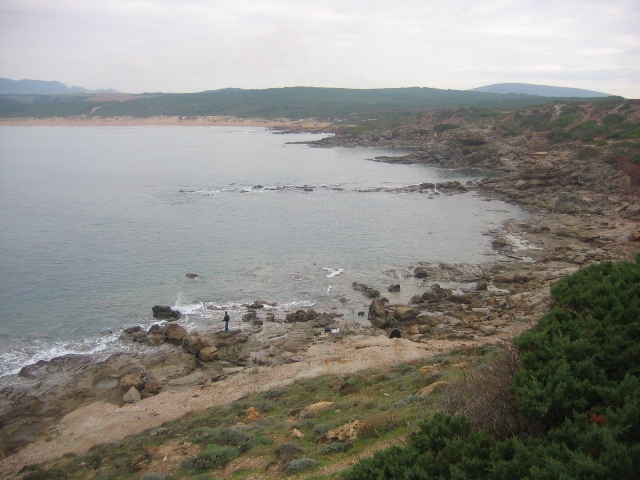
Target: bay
98	224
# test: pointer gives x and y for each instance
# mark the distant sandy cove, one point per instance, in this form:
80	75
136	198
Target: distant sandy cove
85	120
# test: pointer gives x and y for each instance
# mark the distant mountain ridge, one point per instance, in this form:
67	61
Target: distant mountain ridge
42	87
539	90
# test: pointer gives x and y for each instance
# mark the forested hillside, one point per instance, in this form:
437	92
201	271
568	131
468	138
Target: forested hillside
295	102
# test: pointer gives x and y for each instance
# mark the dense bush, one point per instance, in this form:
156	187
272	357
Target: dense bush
299	464
444	448
578	383
213	456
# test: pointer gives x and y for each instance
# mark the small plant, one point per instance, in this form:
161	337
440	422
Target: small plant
155	476
320	430
300	464
377	426
288	452
213	456
337	447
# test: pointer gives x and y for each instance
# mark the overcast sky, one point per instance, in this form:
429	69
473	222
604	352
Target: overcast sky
194	45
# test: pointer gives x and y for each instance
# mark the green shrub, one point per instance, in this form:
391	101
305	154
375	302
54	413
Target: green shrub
299	464
213	456
155	476
288	451
577	355
585	153
579	384
443	127
337	447
444	448
230	437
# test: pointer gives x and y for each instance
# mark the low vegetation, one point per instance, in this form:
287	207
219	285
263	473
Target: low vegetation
576	397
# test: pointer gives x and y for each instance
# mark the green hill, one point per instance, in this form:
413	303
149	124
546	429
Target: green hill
294	102
539	90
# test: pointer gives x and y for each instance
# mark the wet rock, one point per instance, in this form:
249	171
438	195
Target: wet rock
175	333
378	313
372	293
360	286
165	313
251	316
157	329
499	243
140	337
404	313
435	294
416	299
302	316
155	340
462	298
421	272
395	287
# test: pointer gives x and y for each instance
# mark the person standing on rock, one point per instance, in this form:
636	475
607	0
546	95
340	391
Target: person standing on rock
226	321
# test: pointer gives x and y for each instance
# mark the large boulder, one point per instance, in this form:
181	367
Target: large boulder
163	312
133	379
208	354
166	364
421	272
347	432
175	333
378	313
192	343
435	293
404	313
132	396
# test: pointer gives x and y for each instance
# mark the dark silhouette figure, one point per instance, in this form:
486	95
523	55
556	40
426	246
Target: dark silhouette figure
395	333
226	321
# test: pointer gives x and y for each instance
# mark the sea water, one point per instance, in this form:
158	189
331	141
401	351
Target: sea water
98	224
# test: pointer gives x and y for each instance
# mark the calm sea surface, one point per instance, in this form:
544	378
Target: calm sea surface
98	224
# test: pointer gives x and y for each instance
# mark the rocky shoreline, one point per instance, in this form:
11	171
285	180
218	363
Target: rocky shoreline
582	211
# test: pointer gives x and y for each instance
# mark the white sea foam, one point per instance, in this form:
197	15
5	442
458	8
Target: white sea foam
13	360
333	272
521	243
297	304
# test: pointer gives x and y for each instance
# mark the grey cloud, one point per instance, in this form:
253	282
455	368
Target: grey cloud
170	45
